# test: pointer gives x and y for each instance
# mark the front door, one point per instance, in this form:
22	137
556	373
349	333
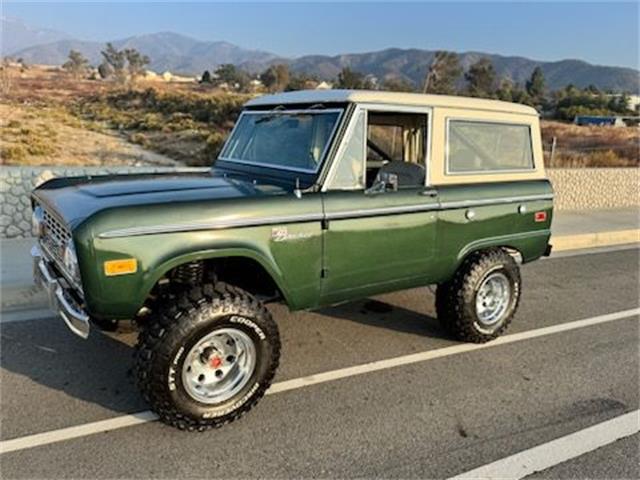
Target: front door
380	215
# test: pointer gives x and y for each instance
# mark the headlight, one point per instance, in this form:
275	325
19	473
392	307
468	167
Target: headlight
71	262
37	222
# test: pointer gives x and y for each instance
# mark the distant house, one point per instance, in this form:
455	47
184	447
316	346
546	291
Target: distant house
599	120
170	77
324	86
256	84
634	100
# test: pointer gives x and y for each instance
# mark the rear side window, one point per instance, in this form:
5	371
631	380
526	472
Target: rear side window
474	147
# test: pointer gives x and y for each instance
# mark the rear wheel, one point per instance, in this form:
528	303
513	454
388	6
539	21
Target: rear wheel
478	304
206	356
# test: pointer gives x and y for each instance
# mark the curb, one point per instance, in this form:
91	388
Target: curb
597	239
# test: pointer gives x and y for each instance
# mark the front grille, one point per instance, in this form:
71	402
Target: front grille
55	237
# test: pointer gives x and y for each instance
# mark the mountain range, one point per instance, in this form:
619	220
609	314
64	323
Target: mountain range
182	54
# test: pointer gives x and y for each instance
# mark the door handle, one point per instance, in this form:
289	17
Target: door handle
429	193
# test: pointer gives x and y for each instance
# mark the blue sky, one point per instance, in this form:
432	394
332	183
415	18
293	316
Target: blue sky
600	33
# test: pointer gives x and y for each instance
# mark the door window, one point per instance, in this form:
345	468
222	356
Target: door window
396	144
349	173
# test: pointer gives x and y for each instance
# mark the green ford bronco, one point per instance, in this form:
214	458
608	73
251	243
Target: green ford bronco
317	198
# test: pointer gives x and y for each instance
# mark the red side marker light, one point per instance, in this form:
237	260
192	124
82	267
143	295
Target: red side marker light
540	216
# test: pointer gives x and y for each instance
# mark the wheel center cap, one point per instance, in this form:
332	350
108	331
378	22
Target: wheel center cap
216	362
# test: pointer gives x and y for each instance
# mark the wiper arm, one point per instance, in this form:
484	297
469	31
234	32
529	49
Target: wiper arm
273	114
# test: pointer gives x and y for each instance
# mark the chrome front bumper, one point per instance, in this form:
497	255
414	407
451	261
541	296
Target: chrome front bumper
59	300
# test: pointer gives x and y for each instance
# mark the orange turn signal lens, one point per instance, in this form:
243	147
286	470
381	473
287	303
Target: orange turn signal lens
120	267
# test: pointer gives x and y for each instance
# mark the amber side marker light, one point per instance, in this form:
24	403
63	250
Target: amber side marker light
120	267
540	216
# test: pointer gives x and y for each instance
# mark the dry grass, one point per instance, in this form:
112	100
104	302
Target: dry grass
48	117
37	135
591	146
188	126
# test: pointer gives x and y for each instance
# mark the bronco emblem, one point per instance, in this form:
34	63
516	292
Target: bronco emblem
281	234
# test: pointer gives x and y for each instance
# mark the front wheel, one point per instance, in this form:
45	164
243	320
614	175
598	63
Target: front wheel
206	356
478	304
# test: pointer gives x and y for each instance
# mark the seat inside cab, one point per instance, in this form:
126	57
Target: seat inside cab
396	144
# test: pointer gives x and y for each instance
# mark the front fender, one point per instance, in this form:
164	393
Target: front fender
120	297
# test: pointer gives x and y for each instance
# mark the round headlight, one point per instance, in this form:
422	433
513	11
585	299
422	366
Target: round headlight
71	261
37	222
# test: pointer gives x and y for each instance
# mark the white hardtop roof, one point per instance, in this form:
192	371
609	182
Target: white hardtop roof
389	98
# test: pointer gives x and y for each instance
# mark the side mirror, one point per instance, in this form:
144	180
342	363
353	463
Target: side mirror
384	182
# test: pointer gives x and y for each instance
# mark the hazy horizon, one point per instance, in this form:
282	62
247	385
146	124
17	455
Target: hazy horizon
595	32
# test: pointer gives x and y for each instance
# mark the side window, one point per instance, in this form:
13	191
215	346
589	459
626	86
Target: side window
349	173
396	144
475	146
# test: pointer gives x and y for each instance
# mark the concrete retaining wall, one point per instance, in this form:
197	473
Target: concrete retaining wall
16	184
575	189
595	188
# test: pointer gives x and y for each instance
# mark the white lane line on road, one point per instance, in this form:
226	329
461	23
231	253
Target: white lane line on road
557	451
68	433
39	439
443	352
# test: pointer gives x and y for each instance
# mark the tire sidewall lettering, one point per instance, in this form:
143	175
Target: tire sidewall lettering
174	376
248	323
235	405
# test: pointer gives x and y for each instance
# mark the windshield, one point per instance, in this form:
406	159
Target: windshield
286	139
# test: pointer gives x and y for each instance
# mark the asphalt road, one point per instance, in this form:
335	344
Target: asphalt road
432	419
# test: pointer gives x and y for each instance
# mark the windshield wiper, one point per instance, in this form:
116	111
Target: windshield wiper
273	113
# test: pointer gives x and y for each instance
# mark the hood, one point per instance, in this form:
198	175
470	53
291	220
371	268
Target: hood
76	198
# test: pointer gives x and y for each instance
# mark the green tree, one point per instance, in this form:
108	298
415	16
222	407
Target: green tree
535	86
276	78
520	95
105	70
206	77
116	61
505	90
593	89
301	81
77	64
396	84
443	73
619	103
480	78
353	80
136	63
235	78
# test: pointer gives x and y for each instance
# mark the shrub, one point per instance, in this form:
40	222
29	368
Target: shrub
12	153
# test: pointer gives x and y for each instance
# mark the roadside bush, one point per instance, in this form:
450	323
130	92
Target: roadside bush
12	154
213	146
607	158
139	139
187	126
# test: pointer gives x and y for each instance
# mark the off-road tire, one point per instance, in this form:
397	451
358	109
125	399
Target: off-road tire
456	299
178	321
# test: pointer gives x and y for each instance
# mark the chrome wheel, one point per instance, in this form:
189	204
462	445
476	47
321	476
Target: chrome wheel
493	298
219	365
